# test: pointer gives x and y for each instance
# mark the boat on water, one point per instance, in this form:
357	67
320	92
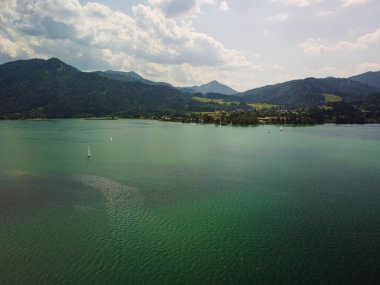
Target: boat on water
88	152
281	129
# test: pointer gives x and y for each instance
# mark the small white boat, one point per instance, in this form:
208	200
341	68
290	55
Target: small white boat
88	152
281	129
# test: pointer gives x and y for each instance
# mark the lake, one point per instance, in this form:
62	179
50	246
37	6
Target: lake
172	203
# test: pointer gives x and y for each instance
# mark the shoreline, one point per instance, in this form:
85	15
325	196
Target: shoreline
198	123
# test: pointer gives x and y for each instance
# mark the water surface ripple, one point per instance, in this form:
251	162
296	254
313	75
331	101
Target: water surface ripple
169	203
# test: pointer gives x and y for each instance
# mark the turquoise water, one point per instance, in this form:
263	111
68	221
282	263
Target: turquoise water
172	203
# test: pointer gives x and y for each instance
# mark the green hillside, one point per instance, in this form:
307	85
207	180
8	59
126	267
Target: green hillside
371	78
308	92
52	88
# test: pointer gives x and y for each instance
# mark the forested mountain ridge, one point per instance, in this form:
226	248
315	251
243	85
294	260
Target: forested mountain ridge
371	78
50	87
130	76
308	92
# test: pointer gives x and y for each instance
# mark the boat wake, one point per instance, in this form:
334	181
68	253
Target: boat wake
120	200
123	207
113	191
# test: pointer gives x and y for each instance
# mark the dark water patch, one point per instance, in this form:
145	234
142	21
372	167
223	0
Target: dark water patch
53	228
23	190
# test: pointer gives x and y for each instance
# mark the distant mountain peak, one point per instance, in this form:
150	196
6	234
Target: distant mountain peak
57	65
214	87
54	59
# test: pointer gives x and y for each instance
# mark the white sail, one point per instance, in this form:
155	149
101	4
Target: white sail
281	129
88	151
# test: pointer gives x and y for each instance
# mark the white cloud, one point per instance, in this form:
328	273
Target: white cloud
173	8
367	66
276	66
348	3
324	13
313	46
92	36
161	39
181	8
328	70
318	46
223	5
297	3
279	17
323	71
352	33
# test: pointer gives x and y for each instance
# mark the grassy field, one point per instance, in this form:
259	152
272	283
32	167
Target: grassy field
218	101
331	98
325	107
261	106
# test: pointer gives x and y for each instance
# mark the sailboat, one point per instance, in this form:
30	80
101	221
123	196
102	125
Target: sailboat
88	152
281	129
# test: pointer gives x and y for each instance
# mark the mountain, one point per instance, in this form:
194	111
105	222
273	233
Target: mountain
51	88
308	92
369	78
123	76
129	77
213	87
36	87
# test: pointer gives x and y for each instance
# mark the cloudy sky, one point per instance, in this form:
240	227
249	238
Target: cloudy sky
242	43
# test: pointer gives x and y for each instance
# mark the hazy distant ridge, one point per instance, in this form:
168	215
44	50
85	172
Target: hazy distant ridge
214	87
211	87
371	78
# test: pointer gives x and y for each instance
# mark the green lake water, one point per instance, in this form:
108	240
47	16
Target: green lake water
172	203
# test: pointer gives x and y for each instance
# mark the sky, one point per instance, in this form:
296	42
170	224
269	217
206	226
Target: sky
242	43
